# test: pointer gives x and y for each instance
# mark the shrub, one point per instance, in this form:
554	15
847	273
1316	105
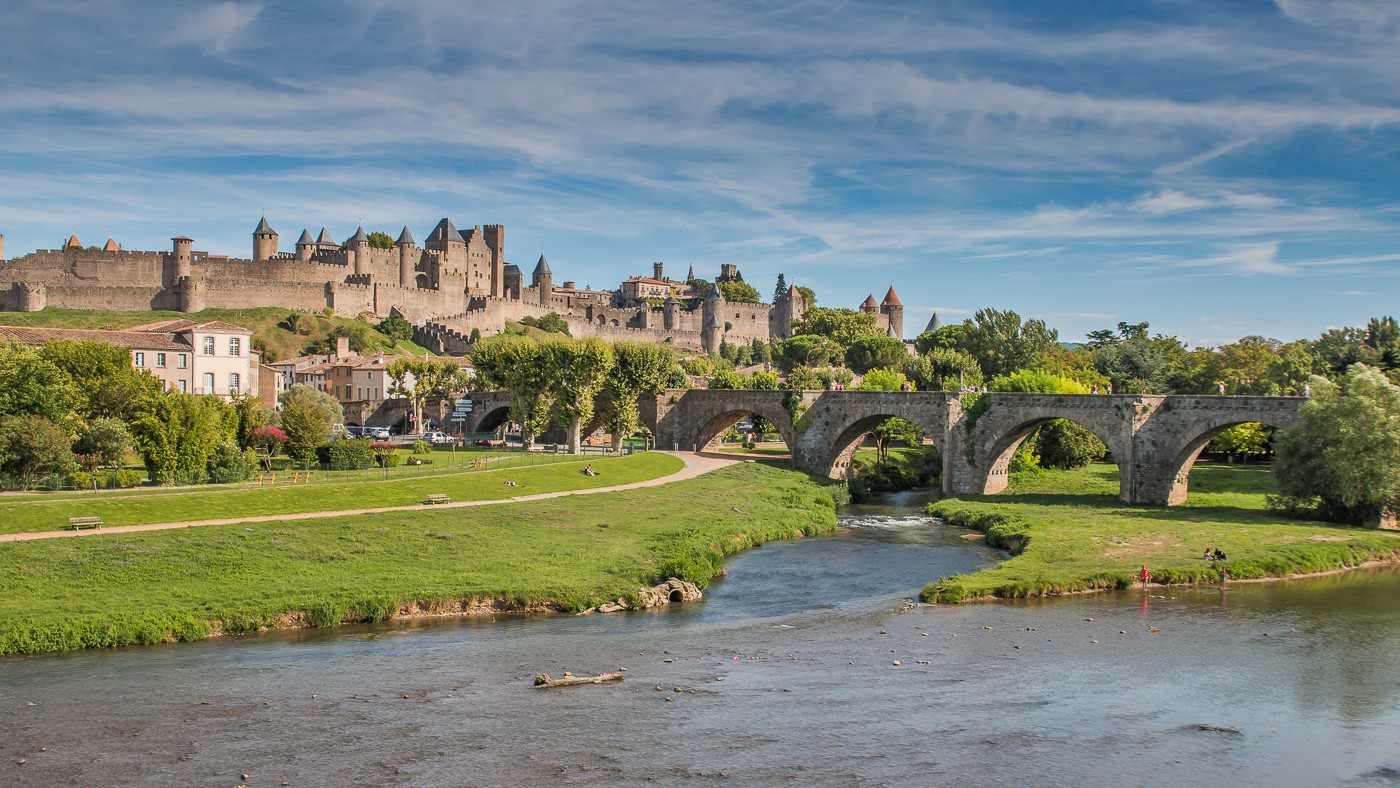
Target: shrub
80	480
229	465
348	455
126	478
422	447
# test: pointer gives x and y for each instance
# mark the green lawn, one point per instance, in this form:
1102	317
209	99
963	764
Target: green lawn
1070	533
367	490
772	450
567	554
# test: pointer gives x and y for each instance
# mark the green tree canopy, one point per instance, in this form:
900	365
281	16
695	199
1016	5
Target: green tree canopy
1344	454
842	326
380	240
809	296
805	350
331	411
876	353
306	426
32	385
177	434
577	368
739	292
943	369
396	328
32	447
104	439
1003	343
517	365
638	368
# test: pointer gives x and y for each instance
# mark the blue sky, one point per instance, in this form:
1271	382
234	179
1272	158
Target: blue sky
1217	168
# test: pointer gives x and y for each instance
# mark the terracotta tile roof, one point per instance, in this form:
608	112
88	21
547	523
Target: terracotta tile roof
139	340
891	299
170	326
111	246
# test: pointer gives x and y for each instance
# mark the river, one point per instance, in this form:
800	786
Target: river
784	674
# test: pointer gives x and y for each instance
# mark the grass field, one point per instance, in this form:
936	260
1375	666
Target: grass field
566	554
1068	532
368	490
769	449
267	323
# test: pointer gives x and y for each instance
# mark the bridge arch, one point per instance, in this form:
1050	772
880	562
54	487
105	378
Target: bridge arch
1010	418
699	418
1183	456
837	422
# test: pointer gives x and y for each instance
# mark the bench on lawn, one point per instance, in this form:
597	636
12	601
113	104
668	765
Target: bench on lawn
437	498
79	523
481	463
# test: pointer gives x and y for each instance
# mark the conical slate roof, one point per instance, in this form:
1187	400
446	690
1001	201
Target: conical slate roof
889	332
405	238
264	228
690	274
933	323
542	267
305	239
360	235
325	238
891	299
715	294
869	302
445	231
670	299
712	321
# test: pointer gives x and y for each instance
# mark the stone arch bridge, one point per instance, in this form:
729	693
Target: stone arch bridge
1154	439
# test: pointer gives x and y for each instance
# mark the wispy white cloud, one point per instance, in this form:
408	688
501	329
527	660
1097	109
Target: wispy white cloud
218	27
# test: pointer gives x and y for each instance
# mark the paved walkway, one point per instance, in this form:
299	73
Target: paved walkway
695	465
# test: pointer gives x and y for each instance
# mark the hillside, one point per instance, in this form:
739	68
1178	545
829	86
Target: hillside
271	331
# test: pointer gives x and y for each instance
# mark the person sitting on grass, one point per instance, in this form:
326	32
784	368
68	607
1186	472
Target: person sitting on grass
510	483
1209	555
1219	554
588	470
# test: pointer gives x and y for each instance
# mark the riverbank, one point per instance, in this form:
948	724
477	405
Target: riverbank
562	554
1068	533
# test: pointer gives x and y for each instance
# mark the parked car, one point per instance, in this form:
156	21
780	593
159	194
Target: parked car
378	433
438	438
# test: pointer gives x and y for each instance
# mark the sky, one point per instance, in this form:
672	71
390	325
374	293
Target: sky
1216	168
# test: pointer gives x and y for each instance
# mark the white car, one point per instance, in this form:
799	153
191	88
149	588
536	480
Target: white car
438	438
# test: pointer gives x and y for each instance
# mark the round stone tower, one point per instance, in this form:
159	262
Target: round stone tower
406	261
264	241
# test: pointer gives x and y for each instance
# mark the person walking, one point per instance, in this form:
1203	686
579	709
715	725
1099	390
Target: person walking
1146	575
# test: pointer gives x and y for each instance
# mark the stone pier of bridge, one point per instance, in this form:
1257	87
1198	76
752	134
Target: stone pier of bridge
1154	439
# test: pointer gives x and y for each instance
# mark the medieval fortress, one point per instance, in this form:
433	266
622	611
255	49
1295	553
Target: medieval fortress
455	282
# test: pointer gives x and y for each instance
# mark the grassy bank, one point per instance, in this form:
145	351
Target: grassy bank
562	554
1068	532
268	324
194	503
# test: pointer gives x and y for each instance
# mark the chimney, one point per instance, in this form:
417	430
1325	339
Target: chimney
568	284
342	347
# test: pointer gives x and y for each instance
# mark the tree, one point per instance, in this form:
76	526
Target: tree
1141	365
31	447
948	337
740	292
1249	438
248	415
177	434
516	364
475	336
809	296
380	240
780	289
31	385
893	429
105	440
422	379
396	328
883	380
876	353
842	326
943	369
267	440
1344	453
383	453
1063	445
577	368
638	368
804	350
103	375
1003	343
332	414
551	322
295	322
306	426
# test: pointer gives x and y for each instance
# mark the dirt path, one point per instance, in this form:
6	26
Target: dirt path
695	465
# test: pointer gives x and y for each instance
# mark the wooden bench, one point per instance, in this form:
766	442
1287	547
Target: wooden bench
79	523
437	498
266	478
302	477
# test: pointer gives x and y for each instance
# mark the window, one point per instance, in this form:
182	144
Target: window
208	346
208	382
160	360
233	346
140	359
233	387
181	361
180	384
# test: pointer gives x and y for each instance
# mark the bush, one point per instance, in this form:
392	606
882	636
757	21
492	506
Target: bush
347	455
80	480
422	447
229	465
126	478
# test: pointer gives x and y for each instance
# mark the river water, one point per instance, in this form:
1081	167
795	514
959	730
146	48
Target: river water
784	674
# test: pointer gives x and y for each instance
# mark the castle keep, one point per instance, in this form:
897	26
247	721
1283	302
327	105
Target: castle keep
456	282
